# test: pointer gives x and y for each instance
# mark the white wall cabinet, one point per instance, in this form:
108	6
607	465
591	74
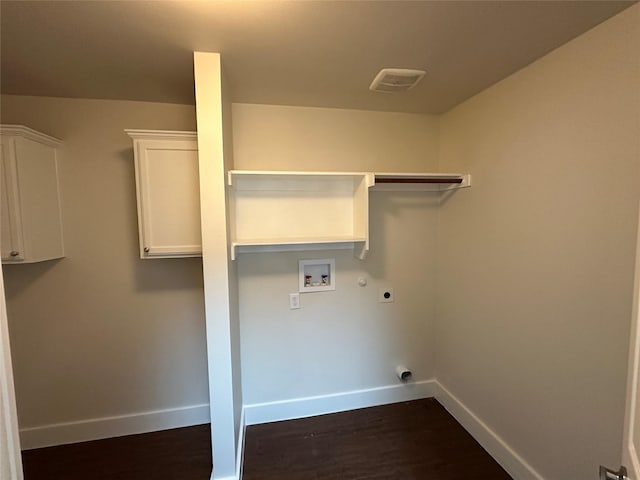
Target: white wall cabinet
31	229
168	194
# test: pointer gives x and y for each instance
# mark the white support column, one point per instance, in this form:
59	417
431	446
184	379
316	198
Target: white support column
220	284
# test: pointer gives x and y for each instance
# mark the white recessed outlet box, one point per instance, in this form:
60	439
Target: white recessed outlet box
316	275
385	295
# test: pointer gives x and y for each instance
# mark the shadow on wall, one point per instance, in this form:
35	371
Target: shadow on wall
168	274
24	274
400	223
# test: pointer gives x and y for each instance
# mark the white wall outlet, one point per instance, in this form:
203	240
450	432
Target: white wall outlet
385	295
294	301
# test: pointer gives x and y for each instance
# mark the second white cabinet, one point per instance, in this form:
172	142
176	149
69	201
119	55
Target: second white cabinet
31	229
168	193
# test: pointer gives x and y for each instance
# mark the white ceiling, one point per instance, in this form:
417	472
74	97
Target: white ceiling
313	53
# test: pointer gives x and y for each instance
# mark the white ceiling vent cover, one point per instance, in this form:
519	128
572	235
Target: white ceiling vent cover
396	80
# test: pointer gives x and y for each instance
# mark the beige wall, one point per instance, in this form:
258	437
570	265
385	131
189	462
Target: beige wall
536	259
101	332
330	139
342	340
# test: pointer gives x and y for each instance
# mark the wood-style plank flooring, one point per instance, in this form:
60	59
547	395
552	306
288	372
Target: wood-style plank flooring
179	454
405	441
416	440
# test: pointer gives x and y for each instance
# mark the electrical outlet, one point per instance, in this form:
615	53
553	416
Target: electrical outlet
385	295
294	301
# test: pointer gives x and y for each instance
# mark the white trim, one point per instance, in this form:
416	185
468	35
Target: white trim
630	457
31	134
338	402
137	134
116	426
240	452
9	436
502	453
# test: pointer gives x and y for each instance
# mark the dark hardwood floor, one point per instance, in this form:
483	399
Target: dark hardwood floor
178	454
405	441
416	440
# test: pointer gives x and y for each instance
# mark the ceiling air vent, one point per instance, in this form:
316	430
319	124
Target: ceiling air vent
396	80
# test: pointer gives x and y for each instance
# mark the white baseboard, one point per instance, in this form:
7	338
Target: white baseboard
98	428
340	402
95	429
513	463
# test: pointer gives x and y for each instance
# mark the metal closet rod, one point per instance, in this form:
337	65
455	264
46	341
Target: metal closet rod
419	180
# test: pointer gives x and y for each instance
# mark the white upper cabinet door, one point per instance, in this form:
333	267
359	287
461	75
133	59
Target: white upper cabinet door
168	193
30	196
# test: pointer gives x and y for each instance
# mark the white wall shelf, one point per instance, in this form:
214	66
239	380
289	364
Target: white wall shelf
284	211
30	196
168	193
293	211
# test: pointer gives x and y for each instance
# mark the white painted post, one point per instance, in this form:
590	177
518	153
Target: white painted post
220	283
